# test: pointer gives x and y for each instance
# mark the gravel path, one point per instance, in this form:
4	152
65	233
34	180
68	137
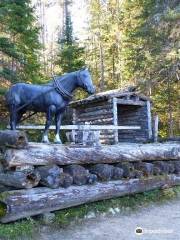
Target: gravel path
163	219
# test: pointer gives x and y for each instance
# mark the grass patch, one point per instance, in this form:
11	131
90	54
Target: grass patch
64	217
18	229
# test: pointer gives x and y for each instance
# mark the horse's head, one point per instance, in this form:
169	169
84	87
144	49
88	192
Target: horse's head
85	81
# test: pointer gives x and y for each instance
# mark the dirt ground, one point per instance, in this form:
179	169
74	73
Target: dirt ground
158	222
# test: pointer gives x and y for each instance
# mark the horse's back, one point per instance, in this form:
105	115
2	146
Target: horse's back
21	92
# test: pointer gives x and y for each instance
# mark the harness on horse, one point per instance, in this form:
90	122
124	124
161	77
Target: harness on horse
59	88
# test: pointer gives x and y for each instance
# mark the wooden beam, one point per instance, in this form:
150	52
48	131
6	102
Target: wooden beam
24	203
130	102
115	119
42	154
155	132
149	120
80	127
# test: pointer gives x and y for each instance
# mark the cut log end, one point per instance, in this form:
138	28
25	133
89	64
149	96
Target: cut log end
3	209
13	139
20	179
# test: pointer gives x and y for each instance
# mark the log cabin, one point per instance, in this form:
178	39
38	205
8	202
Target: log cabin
118	108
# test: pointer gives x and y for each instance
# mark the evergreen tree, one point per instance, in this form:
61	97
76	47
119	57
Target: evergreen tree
151	57
137	42
71	55
103	52
19	43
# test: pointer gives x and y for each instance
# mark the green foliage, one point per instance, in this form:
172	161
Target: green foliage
151	56
71	55
19	42
140	42
104	43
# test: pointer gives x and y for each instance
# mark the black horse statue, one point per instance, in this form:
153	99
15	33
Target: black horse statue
51	98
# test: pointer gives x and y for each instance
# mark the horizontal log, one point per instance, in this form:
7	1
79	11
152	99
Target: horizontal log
131	102
15	139
98	121
93	108
43	154
80	127
88	119
102	112
4	188
24	203
20	179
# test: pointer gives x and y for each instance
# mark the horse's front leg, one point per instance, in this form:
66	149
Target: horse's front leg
58	118
13	117
49	116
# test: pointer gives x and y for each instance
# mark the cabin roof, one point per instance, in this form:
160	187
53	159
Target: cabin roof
119	93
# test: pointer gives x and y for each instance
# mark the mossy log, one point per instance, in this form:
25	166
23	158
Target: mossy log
24	203
44	154
14	139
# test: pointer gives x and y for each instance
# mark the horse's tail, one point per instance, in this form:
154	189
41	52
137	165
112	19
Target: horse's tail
9	97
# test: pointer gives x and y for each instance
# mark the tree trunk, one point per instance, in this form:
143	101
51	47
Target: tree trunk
24	203
14	139
43	154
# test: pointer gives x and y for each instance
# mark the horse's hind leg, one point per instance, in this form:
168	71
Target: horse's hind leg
58	118
19	116
13	117
49	116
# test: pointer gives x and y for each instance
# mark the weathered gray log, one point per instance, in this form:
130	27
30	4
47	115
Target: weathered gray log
128	169
15	139
65	180
156	171
50	175
80	175
24	203
163	166
117	173
138	174
176	166
43	154
4	188
146	168
24	179
104	172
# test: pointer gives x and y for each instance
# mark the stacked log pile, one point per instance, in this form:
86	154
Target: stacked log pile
37	178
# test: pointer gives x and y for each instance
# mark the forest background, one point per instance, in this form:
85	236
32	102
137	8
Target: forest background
123	42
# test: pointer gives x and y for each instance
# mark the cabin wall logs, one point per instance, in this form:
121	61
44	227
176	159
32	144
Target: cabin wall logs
101	113
133	115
